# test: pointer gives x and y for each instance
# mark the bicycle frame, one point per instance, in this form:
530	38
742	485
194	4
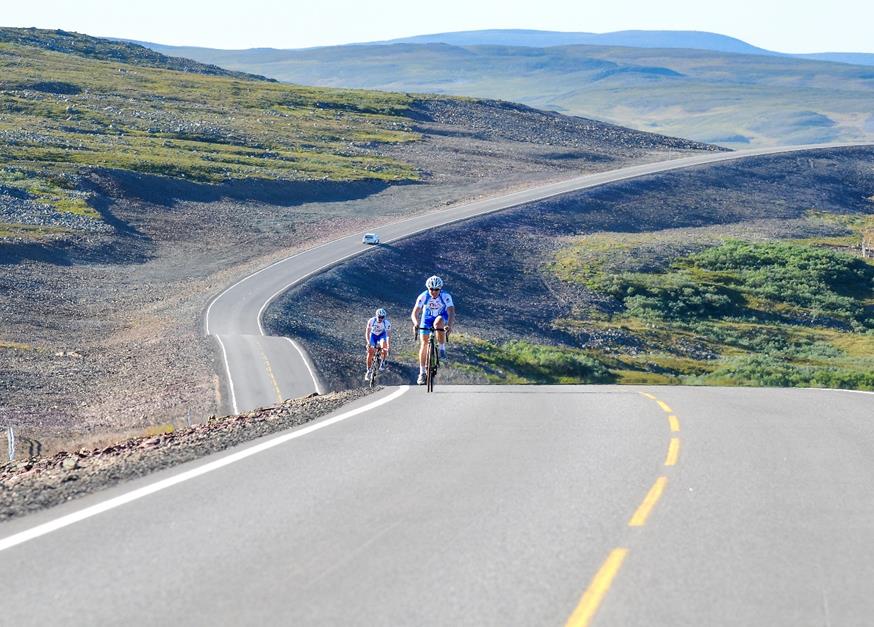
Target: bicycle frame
432	357
378	359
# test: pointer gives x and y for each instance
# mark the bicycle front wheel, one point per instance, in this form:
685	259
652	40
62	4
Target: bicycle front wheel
433	361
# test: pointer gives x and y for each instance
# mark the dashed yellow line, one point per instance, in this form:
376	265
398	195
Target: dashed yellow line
272	378
652	497
600	584
673	452
597	590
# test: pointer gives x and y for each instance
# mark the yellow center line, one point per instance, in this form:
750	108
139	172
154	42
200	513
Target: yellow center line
675	424
664	406
673	452
652	497
648	395
597	589
272	378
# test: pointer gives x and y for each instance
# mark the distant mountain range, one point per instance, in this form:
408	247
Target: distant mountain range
693	40
702	86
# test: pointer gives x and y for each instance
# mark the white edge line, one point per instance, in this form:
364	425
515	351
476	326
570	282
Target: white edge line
88	512
257	272
839	390
306	277
306	362
230	378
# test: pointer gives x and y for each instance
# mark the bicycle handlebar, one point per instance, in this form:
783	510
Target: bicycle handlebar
418	328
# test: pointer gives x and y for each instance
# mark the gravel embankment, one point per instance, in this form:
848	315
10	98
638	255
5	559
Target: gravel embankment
34	484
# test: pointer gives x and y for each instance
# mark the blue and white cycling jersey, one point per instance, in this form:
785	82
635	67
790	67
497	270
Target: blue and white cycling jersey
378	329
433	306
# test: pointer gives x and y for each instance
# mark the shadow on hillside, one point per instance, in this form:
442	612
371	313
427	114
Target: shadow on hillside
109	250
126	246
166	191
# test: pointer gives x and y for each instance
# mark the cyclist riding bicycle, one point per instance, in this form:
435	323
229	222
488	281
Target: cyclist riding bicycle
433	309
377	334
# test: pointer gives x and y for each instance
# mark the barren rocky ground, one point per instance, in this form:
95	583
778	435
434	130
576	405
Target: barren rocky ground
33	484
496	266
101	333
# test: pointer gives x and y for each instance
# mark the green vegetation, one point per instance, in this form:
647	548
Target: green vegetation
523	362
797	313
86	112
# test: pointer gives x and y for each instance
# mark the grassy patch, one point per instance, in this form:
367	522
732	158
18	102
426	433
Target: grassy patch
161	429
731	312
18	346
28	231
524	362
104	113
766	370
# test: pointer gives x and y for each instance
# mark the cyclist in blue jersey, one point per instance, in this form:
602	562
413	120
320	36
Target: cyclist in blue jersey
377	334
433	308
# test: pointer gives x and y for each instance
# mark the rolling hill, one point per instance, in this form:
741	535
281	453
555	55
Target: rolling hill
732	94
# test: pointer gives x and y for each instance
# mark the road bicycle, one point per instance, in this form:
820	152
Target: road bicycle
432	356
378	361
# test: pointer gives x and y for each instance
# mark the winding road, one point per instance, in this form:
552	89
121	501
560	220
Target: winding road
477	505
261	370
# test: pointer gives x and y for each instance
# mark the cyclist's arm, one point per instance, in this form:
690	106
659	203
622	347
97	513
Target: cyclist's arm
415	315
367	334
450	312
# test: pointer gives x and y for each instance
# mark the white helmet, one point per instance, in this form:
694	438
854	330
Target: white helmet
434	283
380	313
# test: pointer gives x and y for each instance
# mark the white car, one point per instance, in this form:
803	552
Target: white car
370	238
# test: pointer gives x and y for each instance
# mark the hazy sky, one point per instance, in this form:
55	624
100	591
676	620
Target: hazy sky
781	25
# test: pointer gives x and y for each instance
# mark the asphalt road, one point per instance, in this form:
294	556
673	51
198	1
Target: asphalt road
485	506
260	370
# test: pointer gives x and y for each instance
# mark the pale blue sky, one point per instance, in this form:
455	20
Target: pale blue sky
781	25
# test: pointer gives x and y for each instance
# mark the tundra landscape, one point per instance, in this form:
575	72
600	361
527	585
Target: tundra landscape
133	191
130	196
653	408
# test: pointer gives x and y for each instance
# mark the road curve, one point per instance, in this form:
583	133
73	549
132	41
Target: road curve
492	505
260	370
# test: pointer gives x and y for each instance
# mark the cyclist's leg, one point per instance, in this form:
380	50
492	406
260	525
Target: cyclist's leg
440	325
423	347
383	353
423	353
370	351
423	342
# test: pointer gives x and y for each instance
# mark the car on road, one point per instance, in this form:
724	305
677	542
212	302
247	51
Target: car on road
370	238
